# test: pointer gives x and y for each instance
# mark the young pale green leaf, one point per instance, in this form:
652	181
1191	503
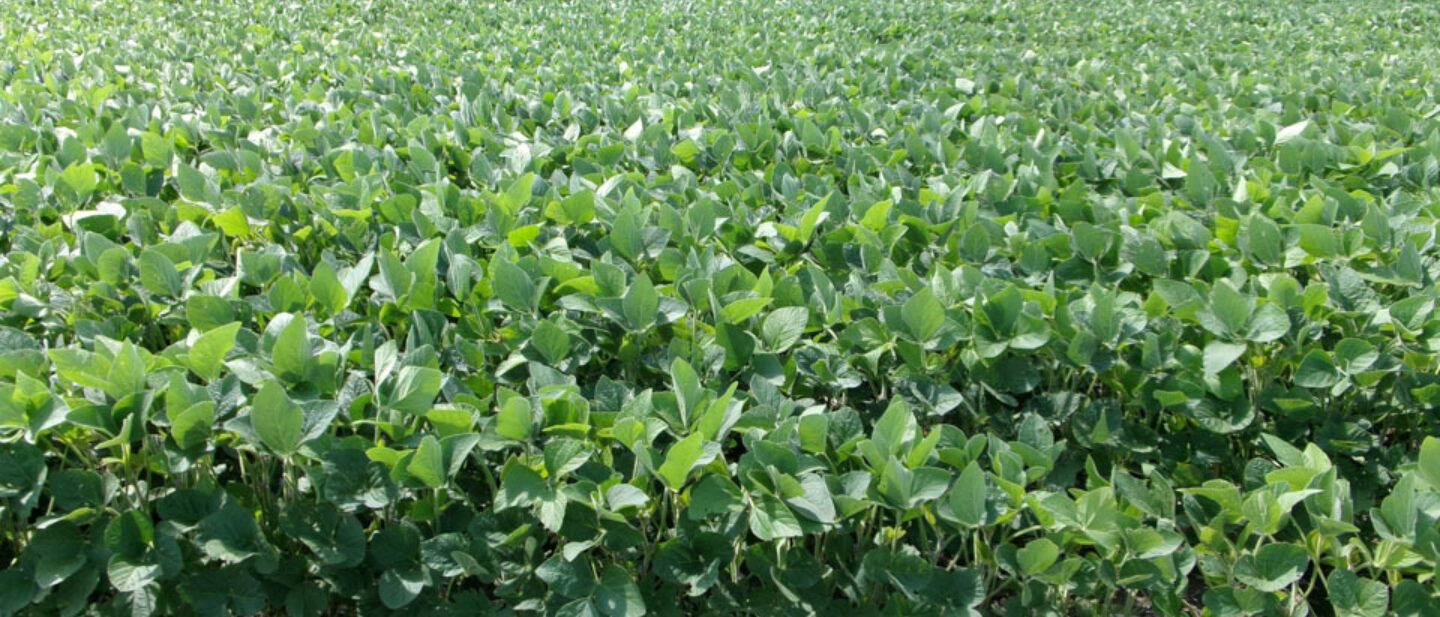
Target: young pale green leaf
744	308
685	455
428	463
579	207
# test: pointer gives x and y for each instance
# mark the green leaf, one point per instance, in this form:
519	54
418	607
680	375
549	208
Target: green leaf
1316	371
515	419
813	432
158	274
207	354
1268	323
1414	599
127	372
351	480
1037	556
191	427
623	496
59	551
415	389
231	535
205	313
1429	461
1291	132
625	235
551	341
1272	568
1355	355
1230	306
967	497
512	285
564	455
570	579
640	304
277	420
812	217
1319	241
582	607
129	574
1353	596
617	595
293	352
713	494
71	488
770	519
520	485
193	184
739	345
130	534
689	392
1266	243
783	327
895	428
397	279
1093	242
329	293
398	588
1219	355
923	315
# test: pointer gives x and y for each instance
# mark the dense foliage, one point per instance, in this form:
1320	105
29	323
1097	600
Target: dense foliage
766	307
